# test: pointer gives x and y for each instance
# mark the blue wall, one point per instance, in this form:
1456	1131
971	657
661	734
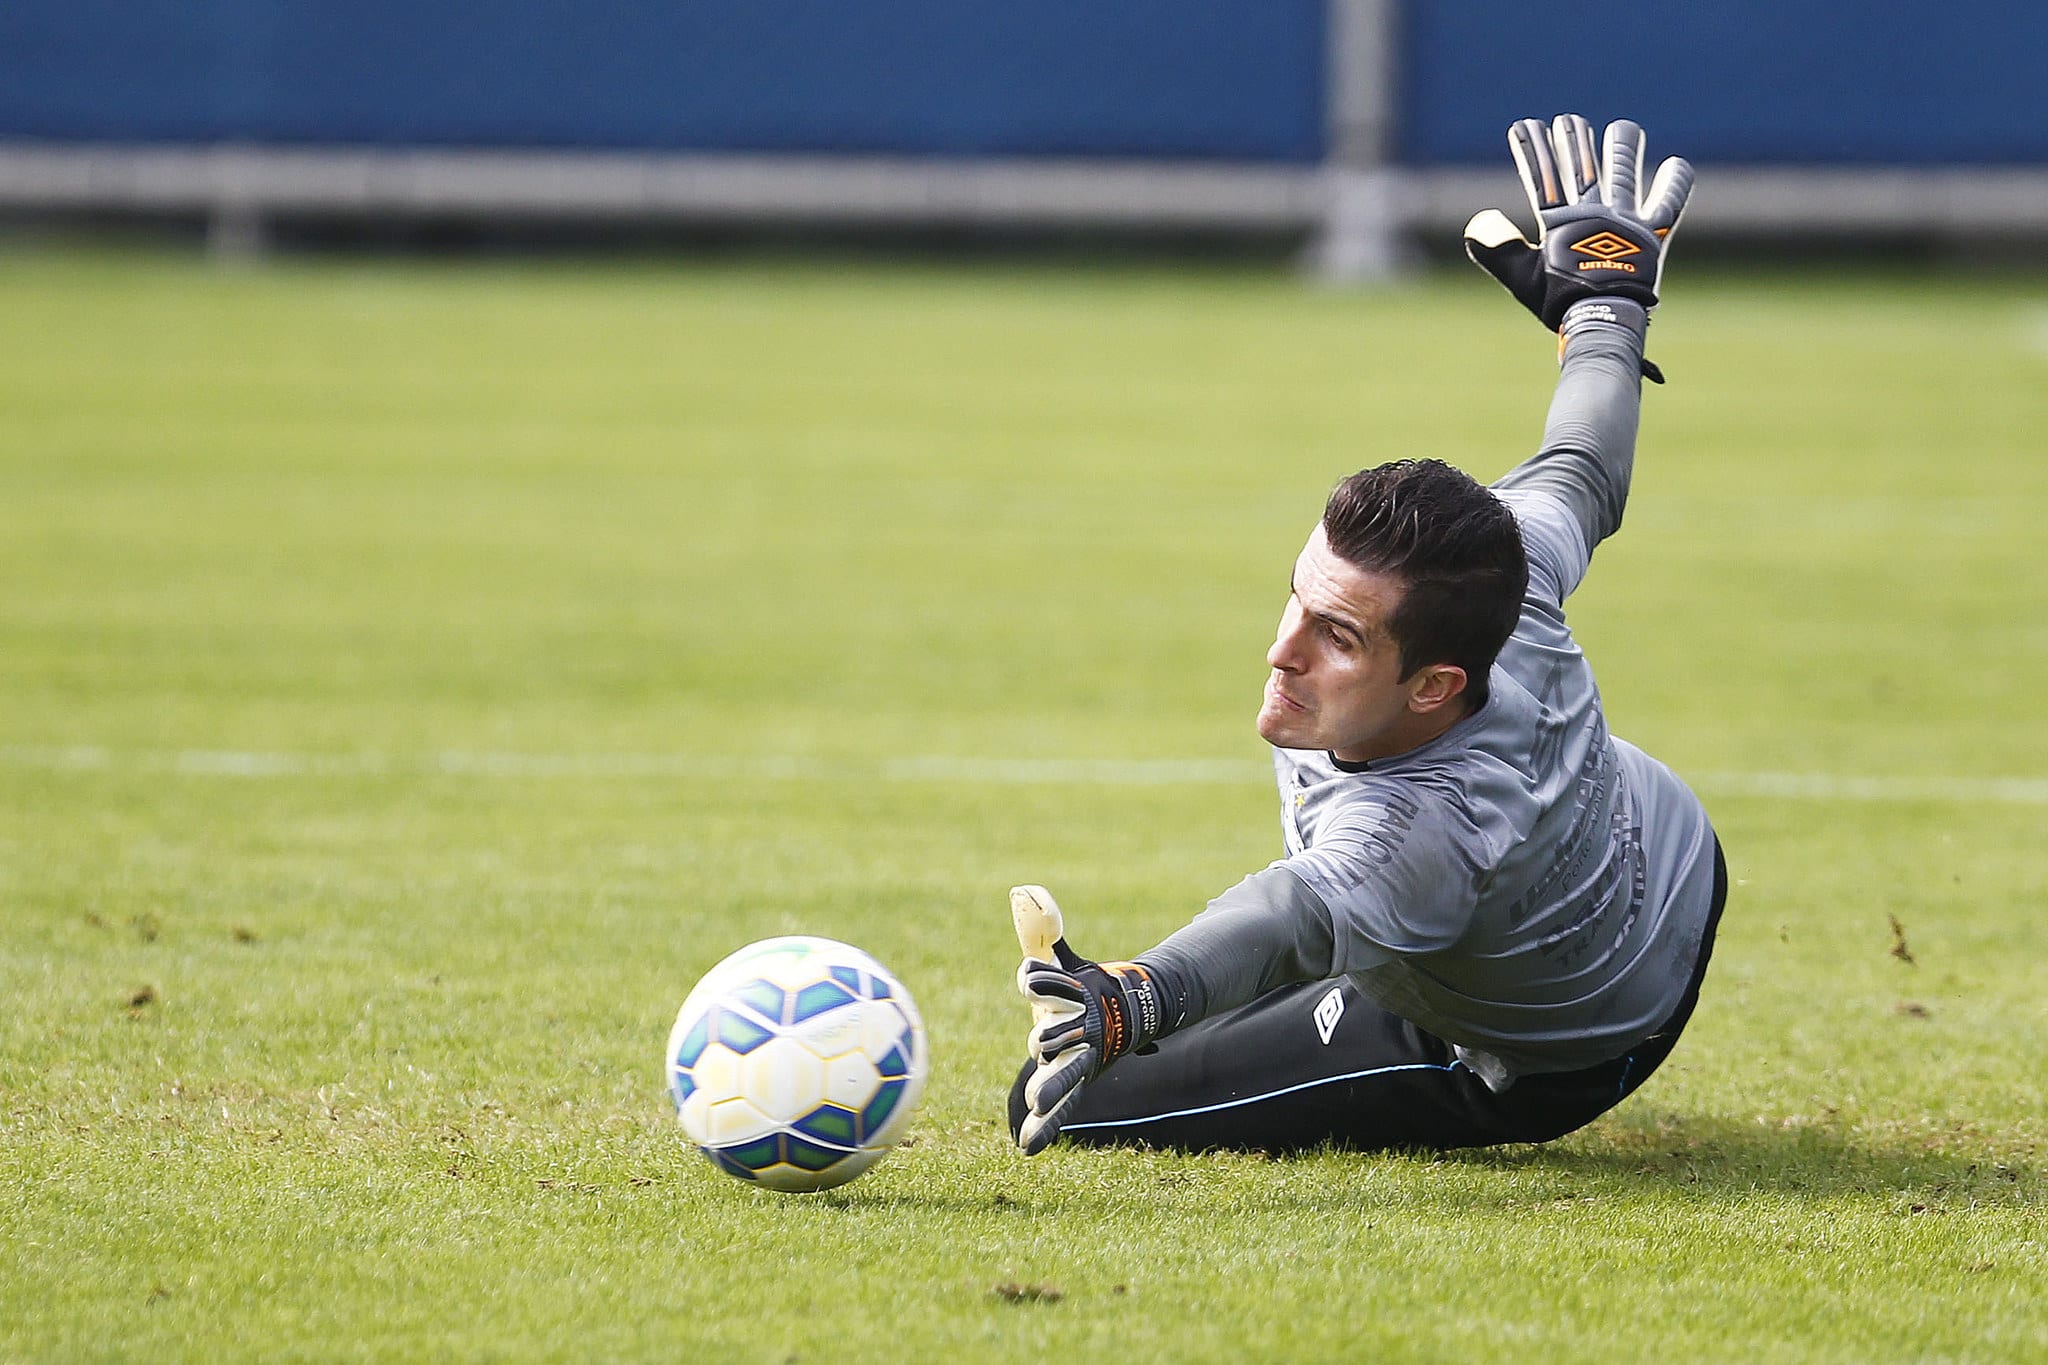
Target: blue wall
1152	78
1795	81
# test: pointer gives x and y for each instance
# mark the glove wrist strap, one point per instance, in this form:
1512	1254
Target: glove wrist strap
1605	311
1130	1008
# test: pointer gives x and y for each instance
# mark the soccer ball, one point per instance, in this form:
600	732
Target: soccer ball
796	1062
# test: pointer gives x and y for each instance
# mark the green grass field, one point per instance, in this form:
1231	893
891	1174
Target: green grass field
413	676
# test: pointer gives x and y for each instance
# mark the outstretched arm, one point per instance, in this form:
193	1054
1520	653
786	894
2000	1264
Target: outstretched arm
1592	276
1589	443
1266	931
1368	893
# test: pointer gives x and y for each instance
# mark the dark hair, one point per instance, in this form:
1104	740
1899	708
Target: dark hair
1456	547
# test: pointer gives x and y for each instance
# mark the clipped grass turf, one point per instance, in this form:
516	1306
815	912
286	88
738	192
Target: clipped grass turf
413	676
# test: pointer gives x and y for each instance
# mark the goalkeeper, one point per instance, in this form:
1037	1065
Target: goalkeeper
1493	917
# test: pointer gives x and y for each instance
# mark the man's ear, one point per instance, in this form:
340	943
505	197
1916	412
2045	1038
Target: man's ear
1434	687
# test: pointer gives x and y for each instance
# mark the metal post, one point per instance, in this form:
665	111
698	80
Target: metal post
235	234
1360	237
235	230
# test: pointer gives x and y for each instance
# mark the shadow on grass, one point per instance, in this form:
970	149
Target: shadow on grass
1914	1168
1720	1156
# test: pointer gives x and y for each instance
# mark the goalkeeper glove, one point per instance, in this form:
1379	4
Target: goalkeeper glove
1085	1015
1597	234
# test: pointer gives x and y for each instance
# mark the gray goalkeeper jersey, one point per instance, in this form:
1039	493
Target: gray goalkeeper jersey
1525	886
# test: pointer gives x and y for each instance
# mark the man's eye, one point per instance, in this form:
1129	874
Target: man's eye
1337	637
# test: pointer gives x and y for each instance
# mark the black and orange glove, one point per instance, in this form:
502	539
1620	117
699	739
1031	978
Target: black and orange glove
1598	232
1084	1015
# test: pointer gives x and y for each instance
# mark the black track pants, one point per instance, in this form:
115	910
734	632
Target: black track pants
1265	1077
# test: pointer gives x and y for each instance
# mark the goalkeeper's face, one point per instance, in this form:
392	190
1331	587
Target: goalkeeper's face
1336	682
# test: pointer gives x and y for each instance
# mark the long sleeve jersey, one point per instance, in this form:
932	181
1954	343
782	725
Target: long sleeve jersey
1525	886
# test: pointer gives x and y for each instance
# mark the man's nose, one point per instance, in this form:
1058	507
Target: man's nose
1286	654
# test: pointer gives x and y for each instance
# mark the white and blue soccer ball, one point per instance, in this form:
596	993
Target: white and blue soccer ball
796	1062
